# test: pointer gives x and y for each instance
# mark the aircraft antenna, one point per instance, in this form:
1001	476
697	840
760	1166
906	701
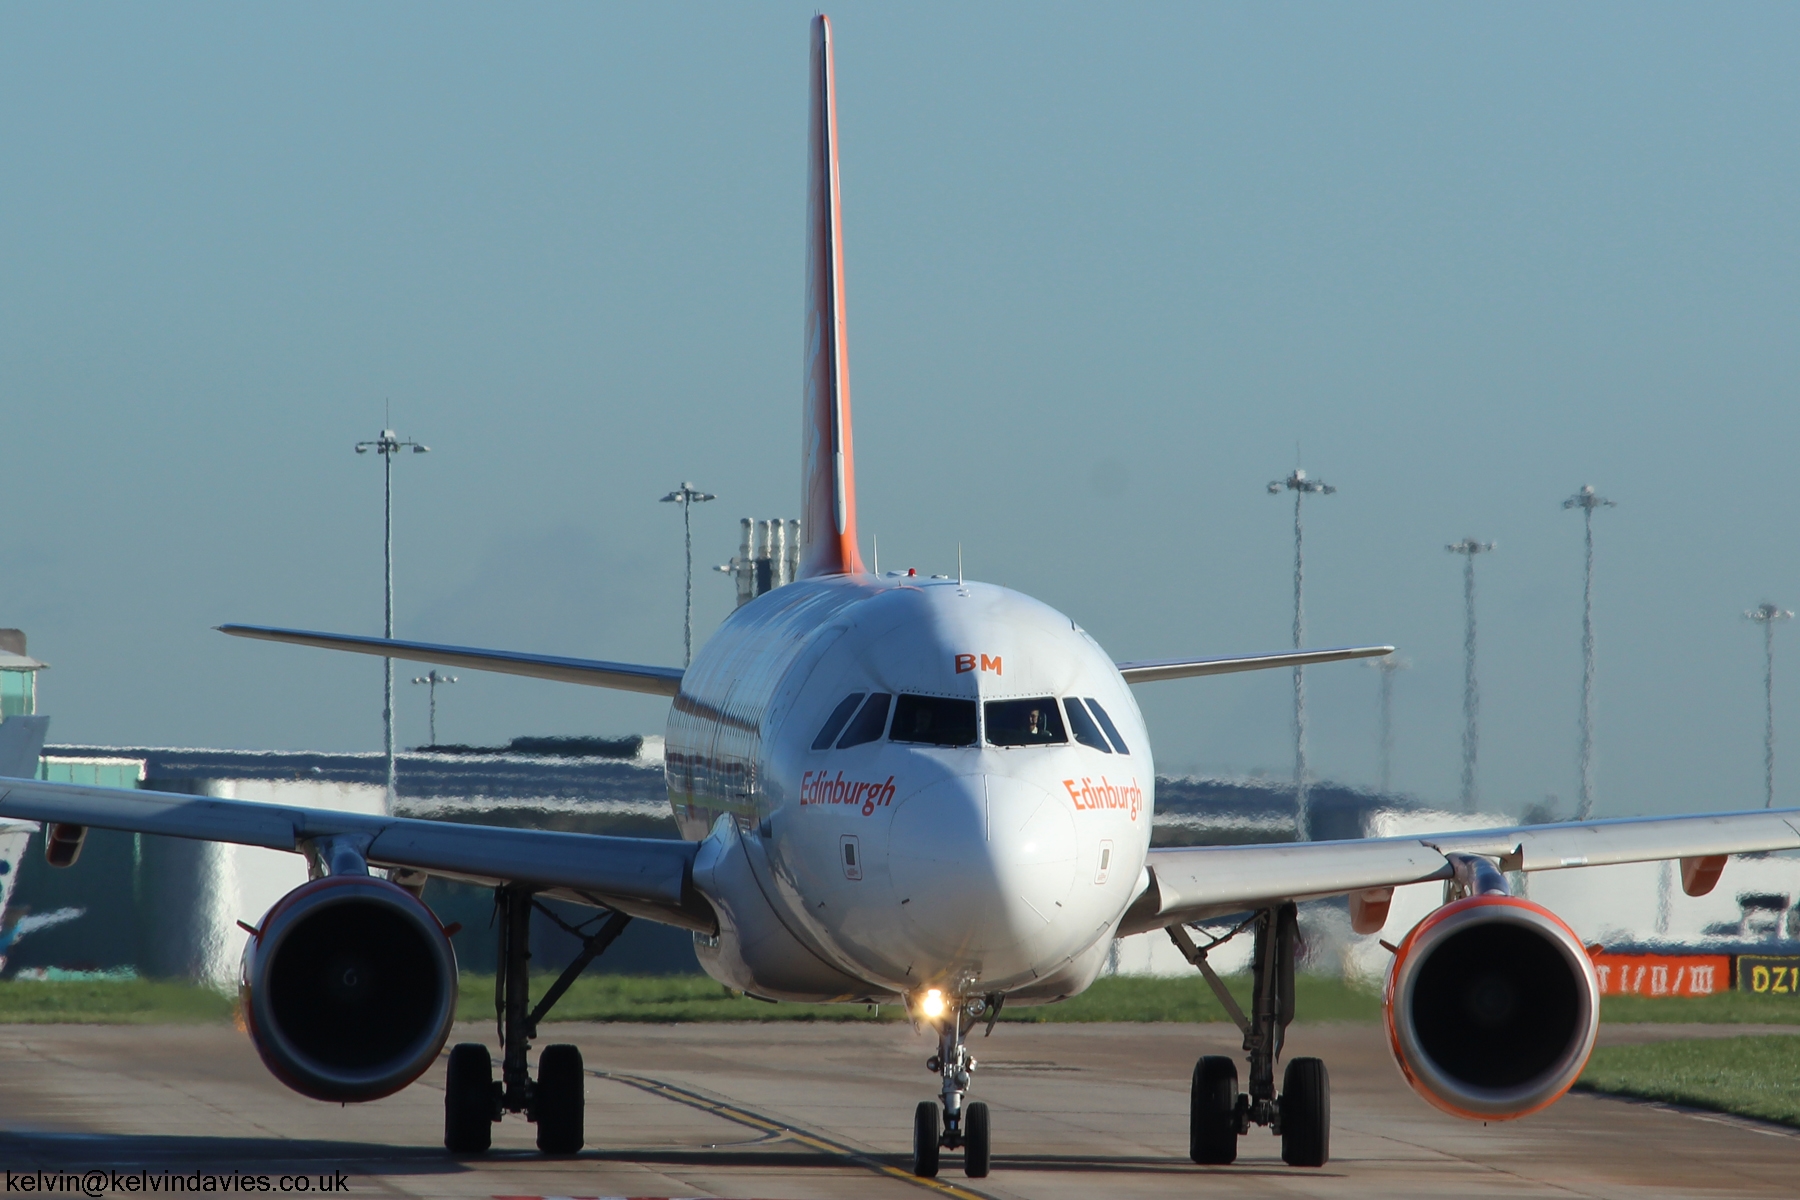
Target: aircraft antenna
1766	614
1471	740
1587	500
1300	484
959	578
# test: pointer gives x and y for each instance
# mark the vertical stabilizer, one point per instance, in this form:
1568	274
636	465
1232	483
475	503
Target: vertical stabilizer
828	483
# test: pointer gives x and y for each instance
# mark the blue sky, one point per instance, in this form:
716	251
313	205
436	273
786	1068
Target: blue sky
1106	274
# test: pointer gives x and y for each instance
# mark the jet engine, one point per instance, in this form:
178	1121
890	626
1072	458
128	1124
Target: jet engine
1492	1006
348	988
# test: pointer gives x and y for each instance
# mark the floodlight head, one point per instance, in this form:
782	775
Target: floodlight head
421	449
1274	485
362	447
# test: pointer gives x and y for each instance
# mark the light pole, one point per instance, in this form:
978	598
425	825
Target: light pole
1469	548
431	679
388	445
1387	665
1587	500
687	496
1766	614
1301	485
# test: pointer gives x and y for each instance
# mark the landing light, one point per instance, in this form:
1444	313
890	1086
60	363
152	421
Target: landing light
933	1005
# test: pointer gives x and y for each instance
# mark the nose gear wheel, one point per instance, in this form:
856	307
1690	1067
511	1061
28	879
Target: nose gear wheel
965	1126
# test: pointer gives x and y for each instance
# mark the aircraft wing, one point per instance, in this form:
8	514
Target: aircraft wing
647	877
1153	669
626	677
1190	883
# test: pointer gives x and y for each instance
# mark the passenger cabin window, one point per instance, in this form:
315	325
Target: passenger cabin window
934	721
1112	731
1086	732
869	722
1025	723
834	724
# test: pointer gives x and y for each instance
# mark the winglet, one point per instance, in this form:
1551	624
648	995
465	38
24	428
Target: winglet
828	483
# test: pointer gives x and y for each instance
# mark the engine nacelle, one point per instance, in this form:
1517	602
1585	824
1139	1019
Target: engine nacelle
1492	1006
349	988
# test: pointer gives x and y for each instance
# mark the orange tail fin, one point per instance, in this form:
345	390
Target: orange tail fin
828	497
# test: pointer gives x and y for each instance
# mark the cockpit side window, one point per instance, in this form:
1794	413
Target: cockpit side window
869	722
1112	731
1025	723
834	724
934	721
1086	732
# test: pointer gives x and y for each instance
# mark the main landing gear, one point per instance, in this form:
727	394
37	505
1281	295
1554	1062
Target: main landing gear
473	1100
1219	1114
965	1126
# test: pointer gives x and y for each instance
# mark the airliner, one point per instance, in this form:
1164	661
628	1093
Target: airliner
906	790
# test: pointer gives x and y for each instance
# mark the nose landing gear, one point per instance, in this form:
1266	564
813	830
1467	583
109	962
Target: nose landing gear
1219	1114
965	1126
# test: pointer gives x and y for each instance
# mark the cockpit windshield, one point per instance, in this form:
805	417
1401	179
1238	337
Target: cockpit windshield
1025	723
1086	732
933	721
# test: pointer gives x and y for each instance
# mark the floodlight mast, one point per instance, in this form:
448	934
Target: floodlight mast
1471	741
388	445
1387	665
1766	614
1301	485
431	679
687	495
1587	500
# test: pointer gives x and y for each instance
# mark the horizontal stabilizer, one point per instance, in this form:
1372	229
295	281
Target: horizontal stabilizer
626	677
1151	670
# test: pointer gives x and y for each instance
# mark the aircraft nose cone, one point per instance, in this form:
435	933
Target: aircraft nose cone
984	865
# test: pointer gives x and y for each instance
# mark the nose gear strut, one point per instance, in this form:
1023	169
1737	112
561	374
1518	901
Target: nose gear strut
965	1126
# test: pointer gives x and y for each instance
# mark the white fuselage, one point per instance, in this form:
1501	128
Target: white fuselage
931	853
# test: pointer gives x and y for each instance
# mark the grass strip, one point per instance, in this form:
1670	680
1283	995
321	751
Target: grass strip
1749	1076
1726	1008
111	1002
680	998
676	998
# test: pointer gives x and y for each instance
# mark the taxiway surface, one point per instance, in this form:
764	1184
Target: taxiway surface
800	1111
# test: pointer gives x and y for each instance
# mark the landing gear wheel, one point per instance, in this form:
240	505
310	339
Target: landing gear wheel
469	1100
1212	1112
925	1140
561	1105
975	1140
1305	1114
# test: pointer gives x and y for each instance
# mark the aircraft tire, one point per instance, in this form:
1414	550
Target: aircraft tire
469	1099
976	1159
1212	1112
561	1101
1305	1114
925	1140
